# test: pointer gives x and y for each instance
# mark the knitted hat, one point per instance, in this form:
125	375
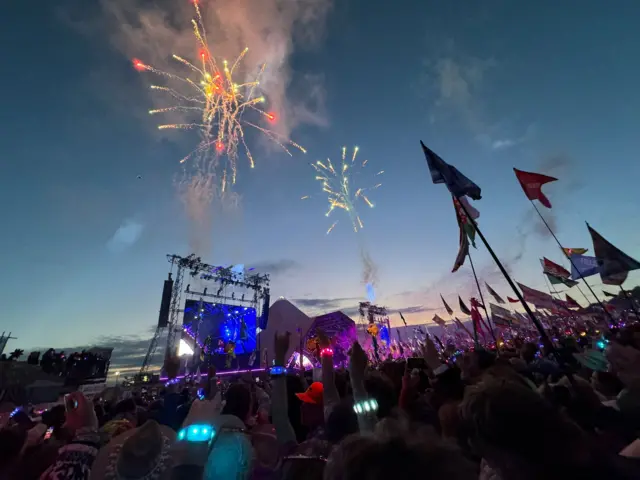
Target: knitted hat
139	453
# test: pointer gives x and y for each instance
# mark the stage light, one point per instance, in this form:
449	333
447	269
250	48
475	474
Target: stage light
184	349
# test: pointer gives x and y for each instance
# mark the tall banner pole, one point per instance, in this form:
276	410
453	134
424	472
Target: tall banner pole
484	305
572	264
533	318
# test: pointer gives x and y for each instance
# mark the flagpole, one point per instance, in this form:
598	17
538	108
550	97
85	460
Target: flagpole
572	264
630	298
533	318
484	306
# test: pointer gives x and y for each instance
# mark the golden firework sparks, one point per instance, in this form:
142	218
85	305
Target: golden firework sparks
336	184
219	102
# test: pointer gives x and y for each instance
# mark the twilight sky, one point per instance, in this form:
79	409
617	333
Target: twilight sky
488	85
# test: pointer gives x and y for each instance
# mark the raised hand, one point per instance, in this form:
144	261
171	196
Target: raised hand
357	360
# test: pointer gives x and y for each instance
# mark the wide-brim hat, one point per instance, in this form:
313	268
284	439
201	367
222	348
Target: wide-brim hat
141	453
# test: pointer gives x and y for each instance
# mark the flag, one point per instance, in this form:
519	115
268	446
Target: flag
555	280
467	231
536	297
574	251
583	266
614	263
403	320
513	300
610	295
494	294
456	182
571	303
532	184
476	318
551	268
463	307
501	314
438	321
446	306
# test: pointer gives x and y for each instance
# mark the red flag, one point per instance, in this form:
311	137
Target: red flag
476	318
513	300
571	303
551	268
532	184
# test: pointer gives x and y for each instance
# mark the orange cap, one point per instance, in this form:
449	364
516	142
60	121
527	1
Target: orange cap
313	394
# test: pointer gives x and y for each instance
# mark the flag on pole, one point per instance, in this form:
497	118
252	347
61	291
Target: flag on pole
583	266
536	297
446	306
403	320
513	300
609	294
574	251
463	307
501	314
551	268
476	318
467	231
571	303
614	263
494	294
438	321
461	326
442	172
555	280
532	184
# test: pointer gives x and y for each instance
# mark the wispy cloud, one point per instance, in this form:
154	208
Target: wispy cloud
276	267
125	236
322	305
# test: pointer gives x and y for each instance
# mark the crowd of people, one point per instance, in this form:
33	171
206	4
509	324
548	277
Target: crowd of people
527	411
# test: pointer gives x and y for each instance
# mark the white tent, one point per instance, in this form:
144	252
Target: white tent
284	317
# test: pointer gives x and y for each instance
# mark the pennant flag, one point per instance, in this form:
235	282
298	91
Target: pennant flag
463	307
456	182
536	297
571	303
551	268
513	300
446	306
463	251
476	318
532	184
438	321
403	320
610	295
614	263
555	280
574	251
494	294
582	265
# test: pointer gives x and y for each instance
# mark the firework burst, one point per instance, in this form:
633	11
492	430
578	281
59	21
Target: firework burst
337	185
218	102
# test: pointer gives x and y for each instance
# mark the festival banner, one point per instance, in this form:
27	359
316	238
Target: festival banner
532	184
513	300
476	318
463	307
494	294
537	298
583	266
500	312
442	172
561	280
614	263
461	326
446	306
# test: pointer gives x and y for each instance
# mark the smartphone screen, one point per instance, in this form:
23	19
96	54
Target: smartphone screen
48	433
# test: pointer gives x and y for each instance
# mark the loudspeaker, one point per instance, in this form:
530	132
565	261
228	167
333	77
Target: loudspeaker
264	319
165	304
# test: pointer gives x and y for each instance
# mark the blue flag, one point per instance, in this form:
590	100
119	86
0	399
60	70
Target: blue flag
456	182
583	265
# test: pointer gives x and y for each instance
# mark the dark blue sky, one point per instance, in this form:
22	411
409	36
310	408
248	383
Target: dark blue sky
488	85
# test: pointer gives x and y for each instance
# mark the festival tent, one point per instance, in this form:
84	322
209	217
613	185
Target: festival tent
284	316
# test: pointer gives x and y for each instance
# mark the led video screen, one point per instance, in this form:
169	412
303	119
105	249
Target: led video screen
218	324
